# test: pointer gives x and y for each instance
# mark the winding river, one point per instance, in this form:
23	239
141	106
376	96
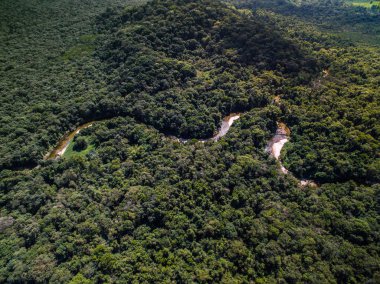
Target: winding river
64	143
275	146
278	141
223	130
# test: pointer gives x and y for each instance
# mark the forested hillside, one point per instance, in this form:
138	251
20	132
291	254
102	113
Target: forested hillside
48	75
357	23
129	202
183	69
339	110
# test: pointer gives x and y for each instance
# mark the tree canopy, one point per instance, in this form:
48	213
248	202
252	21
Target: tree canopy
128	203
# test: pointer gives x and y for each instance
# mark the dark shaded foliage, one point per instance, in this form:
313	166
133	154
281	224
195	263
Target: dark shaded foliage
141	207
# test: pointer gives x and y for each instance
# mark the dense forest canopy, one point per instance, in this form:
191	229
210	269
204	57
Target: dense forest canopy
128	203
357	23
48	76
182	69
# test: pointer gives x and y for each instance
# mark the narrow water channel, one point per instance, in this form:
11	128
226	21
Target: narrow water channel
225	127
64	143
275	146
278	141
223	130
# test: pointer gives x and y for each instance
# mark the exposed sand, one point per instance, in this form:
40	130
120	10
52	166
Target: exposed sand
232	119
65	142
310	183
277	147
226	124
277	143
224	128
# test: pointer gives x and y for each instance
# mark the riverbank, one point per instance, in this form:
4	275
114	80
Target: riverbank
278	141
64	143
275	146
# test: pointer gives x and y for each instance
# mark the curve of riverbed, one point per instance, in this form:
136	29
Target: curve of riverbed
275	146
223	130
278	141
64	143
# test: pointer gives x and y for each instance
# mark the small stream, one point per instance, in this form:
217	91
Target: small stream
64	143
275	146
223	130
278	141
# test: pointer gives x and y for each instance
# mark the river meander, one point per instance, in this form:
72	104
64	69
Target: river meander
64	143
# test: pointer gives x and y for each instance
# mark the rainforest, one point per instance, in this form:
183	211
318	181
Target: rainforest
189	141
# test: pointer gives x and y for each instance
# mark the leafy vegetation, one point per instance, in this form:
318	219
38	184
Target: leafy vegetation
339	110
354	23
49	78
365	3
146	208
129	204
181	69
81	146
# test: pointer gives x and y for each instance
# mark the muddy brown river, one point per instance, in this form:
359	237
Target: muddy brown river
278	141
64	143
275	146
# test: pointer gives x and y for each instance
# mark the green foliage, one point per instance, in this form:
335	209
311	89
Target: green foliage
365	3
353	22
80	144
211	212
333	118
182	67
133	205
71	152
49	77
